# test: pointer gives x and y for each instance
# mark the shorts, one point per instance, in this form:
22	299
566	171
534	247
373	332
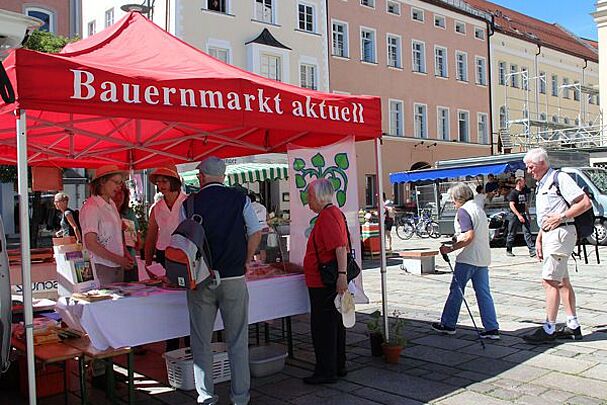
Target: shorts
388	224
557	246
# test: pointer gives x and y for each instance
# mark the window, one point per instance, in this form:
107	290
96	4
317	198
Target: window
460	27
46	16
440	61
91	28
367	45
417	14
503	117
479	33
220	53
513	76
370	190
306	18
368	3
340	39
461	60
525	78
543	82
502	73
555	119
439	21
566	121
543	117
463	117
394	51
393	7
481	70
555	85
565	89
307	75
443	123
220	6
576	91
270	67
420	121
418	59
263	11
396	117
483	128
109	17
590	97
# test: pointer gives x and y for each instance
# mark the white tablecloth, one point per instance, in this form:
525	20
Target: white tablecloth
133	321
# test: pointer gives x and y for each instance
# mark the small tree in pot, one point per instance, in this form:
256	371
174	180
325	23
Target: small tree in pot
396	342
376	335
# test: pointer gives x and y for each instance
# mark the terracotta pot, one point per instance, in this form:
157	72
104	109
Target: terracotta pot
376	339
392	353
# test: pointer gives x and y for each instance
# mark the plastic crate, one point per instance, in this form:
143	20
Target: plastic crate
180	366
267	360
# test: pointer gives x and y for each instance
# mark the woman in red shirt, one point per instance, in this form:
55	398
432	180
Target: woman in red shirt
327	242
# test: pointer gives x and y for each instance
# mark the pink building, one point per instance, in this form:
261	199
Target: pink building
61	17
429	62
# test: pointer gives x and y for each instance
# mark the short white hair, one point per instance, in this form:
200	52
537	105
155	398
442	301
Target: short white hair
536	155
323	190
61	196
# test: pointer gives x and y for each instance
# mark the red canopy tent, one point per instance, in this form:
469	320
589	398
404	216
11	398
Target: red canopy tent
136	96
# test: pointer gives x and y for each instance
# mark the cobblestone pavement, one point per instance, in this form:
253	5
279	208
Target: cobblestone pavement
433	368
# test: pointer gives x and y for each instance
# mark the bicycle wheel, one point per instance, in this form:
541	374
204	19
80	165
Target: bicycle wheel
433	230
422	230
405	230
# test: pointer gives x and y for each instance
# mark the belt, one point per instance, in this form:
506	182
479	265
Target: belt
563	224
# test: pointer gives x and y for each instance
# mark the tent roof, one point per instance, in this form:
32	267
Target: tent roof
136	96
454	172
241	173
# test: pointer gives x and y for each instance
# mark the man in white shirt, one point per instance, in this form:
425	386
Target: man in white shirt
555	243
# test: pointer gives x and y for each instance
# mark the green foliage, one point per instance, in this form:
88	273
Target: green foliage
44	41
374	323
396	332
140	209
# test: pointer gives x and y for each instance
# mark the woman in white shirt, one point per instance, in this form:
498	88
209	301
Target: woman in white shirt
102	227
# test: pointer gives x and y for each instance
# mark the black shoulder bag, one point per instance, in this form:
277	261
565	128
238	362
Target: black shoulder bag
328	271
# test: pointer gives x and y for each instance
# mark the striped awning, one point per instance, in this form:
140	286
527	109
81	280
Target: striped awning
245	173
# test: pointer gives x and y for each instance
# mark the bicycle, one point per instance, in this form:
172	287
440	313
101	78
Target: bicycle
424	226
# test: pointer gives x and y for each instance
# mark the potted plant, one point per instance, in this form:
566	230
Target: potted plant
376	335
396	342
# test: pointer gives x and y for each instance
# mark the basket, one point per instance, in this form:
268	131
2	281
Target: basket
180	366
267	360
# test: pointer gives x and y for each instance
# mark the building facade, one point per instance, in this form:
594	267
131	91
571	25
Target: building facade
545	82
429	62
61	17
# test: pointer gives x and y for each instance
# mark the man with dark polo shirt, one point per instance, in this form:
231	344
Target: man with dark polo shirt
519	217
233	232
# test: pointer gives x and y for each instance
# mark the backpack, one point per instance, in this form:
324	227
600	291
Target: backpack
188	256
584	223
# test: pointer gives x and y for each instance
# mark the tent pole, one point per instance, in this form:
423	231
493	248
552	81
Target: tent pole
24	230
382	236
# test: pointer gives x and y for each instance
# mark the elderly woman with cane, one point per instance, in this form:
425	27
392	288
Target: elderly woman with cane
471	263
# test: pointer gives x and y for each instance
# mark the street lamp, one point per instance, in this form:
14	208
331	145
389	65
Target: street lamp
140	8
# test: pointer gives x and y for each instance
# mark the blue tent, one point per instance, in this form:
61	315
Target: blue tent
414	176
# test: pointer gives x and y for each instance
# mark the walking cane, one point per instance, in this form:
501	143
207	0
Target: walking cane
461	291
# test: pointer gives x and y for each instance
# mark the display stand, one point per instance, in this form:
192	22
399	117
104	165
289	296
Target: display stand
75	270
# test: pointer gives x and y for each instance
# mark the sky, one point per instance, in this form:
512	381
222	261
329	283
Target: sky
571	14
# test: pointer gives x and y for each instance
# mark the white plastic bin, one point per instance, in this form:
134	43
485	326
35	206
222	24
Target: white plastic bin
266	360
180	366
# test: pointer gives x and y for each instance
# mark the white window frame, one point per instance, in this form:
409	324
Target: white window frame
467	134
91	28
514	82
362	53
346	38
566	89
228	7
459	77
459	24
256	16
440	18
213	50
483	138
399	50
369	3
554	85
424	133
524	78
280	73
423	65
480	30
480	63
419	11
314	22
51	16
502	71
576	91
106	14
445	63
220	44
314	66
439	127
542	80
401	118
394	3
